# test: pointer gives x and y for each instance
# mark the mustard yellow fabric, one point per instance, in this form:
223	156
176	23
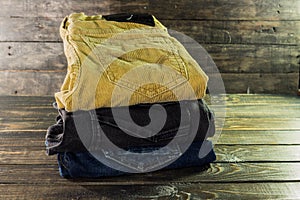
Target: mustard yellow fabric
114	64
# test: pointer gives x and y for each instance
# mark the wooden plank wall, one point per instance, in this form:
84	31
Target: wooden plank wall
254	43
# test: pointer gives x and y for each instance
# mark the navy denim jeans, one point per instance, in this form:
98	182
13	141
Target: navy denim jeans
84	165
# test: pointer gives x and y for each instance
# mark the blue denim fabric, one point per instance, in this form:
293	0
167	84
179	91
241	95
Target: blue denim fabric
84	165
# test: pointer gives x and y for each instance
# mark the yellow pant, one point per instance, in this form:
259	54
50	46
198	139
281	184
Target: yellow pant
122	63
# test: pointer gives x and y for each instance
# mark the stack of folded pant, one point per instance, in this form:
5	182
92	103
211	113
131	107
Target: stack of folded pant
87	109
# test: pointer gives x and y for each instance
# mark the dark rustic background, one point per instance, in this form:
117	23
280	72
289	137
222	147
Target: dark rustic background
254	43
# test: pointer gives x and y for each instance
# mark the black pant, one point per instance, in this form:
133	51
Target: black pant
64	136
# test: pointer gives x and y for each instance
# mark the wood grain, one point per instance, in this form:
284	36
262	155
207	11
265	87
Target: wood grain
255	45
230	100
31	29
257	157
231	58
253	58
253	99
258	111
262	124
182	191
242	190
211	32
30	82
258	124
266	137
253	111
40	56
60	9
48	82
257	153
216	173
35	155
252	37
226	10
280	83
126	192
175	9
238	32
35	138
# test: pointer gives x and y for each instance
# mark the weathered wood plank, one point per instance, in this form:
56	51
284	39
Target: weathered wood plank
175	9
253	99
49	82
59	9
254	137
182	191
228	58
247	124
238	32
26	100
239	111
228	137
31	29
39	113
126	192
30	82
34	139
25	167
25	124
262	124
210	32
25	156
253	58
275	83
35	155
32	56
46	114
258	111
30	108
257	153
230	99
225	10
242	191
217	173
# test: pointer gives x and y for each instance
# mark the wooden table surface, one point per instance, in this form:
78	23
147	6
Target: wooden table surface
258	156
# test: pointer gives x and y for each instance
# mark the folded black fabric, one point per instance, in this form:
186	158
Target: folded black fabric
139	18
75	132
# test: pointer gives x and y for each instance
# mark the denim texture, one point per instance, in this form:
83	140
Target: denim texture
86	100
64	137
84	165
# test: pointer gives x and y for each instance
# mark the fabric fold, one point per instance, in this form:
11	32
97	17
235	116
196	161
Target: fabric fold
132	86
112	64
71	128
84	165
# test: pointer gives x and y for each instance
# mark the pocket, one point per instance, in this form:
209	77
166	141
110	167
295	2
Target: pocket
144	61
144	159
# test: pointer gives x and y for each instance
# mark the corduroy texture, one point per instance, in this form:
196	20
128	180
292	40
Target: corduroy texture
114	64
